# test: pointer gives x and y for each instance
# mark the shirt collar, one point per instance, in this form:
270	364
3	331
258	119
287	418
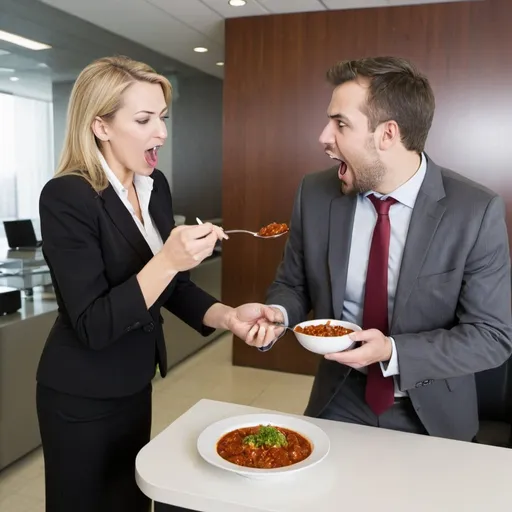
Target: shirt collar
144	183
408	192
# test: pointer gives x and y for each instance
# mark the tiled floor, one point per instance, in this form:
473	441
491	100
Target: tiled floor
208	374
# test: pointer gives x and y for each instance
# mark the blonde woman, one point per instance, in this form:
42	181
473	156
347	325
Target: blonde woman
116	258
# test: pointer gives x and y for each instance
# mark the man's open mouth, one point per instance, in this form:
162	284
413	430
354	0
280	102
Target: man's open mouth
343	165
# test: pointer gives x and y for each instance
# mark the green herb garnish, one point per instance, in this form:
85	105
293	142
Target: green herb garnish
266	437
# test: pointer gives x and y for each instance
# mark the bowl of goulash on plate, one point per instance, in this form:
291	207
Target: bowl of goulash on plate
263	446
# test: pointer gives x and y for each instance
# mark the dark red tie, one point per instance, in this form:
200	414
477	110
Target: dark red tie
379	389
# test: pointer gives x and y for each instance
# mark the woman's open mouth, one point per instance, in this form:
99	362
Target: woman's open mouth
151	156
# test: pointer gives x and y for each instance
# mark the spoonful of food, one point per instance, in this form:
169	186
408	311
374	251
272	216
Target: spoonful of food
273	230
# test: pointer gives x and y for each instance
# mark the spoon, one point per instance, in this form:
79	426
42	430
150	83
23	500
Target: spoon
277	324
257	235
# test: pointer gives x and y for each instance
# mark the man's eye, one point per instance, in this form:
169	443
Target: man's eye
341	125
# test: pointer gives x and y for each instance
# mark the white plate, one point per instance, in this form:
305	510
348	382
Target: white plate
208	439
326	344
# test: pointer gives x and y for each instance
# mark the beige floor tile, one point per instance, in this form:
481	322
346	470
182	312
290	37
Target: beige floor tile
167	408
21	503
199	372
34	487
16	475
286	393
286	398
303	382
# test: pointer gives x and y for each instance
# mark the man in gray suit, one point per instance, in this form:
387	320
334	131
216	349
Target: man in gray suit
415	253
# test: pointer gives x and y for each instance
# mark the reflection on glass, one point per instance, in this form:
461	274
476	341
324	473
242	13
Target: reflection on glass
26	133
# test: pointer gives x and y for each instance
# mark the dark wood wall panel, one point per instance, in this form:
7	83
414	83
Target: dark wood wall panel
275	100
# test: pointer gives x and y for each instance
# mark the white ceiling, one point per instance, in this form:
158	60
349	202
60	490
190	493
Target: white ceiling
174	27
36	79
75	43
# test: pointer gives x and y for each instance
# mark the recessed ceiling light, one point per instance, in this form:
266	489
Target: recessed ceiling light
42	65
14	79
220	63
200	49
23	41
237	3
7	70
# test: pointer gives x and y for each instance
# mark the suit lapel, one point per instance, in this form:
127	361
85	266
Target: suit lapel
341	220
163	219
124	222
425	219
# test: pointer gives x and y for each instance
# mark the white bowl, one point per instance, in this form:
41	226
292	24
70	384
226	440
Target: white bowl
207	443
328	344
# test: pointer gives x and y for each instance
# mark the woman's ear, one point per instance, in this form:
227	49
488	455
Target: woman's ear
100	129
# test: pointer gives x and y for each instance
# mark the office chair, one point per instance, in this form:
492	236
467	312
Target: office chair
494	391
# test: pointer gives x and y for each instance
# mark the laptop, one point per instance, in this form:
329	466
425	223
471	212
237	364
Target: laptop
20	234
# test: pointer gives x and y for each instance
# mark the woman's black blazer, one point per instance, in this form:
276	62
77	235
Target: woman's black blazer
105	342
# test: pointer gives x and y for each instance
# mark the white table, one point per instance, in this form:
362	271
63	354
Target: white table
367	469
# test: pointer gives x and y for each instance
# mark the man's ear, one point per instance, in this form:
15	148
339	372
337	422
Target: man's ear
389	135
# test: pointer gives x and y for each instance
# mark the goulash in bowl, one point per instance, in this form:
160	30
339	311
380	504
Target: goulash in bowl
264	447
324	330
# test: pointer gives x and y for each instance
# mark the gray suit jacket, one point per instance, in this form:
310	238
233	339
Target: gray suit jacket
452	313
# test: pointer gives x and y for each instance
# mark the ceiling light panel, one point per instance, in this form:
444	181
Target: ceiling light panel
287	6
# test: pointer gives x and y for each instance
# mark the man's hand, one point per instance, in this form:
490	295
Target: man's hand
375	348
253	323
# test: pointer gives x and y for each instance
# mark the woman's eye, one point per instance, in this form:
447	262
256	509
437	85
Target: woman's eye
142	121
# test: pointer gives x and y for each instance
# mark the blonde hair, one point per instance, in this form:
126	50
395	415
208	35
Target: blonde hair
97	92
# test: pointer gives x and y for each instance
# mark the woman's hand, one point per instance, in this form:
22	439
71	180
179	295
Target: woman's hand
253	323
187	246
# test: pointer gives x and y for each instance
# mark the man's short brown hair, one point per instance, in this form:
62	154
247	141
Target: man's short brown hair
397	92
